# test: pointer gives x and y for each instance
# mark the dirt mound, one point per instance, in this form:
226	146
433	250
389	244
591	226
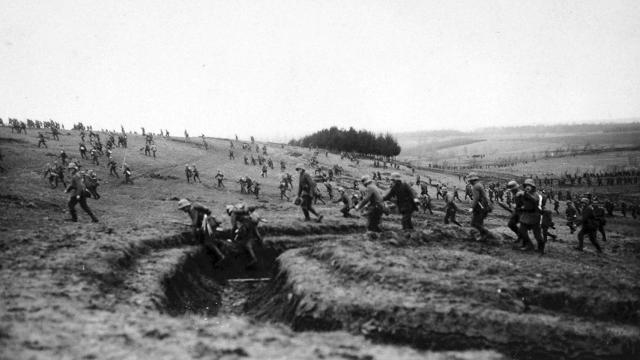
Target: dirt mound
411	289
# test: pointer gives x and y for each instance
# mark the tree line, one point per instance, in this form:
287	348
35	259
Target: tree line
362	141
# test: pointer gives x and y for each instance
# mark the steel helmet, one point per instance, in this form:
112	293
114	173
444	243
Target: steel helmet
472	176
443	188
529	182
299	166
584	200
72	165
512	185
183	203
396	176
366	179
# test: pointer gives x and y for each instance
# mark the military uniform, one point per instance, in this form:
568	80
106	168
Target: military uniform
373	199
78	195
306	191
405	199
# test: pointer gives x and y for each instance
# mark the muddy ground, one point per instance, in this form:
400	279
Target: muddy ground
136	285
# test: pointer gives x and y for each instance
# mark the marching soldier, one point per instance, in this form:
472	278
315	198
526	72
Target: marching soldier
589	226
112	167
41	140
480	206
346	203
306	192
373	199
219	177
572	214
530	216
451	208
195	173
199	215
78	195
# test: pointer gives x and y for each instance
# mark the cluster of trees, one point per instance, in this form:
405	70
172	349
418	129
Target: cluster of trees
362	141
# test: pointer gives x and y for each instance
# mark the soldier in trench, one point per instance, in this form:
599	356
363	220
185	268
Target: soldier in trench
203	226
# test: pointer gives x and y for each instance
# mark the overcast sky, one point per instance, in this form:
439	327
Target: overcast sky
277	69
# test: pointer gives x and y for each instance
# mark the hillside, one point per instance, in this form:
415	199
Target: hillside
138	285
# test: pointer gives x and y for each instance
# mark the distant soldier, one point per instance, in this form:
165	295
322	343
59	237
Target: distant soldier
517	195
187	172
346	202
468	193
243	185
608	205
127	174
231	156
450	208
455	193
424	188
195	173
55	133
589	226
147	149
108	153
199	215
599	215
480	206
94	157
556	206
374	203
253	160
112	167
78	195
283	190
306	189
317	196
246	160
41	140
91	182
329	188
256	189
63	157
264	171
219	177
154	148
572	214
283	165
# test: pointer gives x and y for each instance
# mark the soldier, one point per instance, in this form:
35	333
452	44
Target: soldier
91	182
41	140
480	206
195	173
599	214
283	165
516	194
147	149
249	183
154	148
467	192
546	224
63	157
608	205
571	213
127	174
187	172
219	177
424	188
256	189
329	188
246	160
589	226
455	193
375	207
231	156
94	156
199	215
264	171
243	184
425	203
346	202
556	205
78	195
283	190
530	216
306	192
451	208
112	167
244	226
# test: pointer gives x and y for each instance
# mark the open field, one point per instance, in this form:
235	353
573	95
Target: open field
137	285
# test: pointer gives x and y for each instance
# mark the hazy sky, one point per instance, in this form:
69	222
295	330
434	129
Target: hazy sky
276	69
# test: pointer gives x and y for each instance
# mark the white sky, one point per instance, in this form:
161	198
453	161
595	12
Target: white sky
281	68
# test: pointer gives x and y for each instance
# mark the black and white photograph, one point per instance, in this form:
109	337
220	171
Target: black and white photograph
320	179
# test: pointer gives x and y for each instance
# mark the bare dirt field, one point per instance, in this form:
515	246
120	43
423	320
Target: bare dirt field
137	285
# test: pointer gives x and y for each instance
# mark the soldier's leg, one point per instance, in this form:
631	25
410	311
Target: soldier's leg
406	221
601	231
85	207
453	218
513	225
447	215
72	208
536	233
581	234
592	237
